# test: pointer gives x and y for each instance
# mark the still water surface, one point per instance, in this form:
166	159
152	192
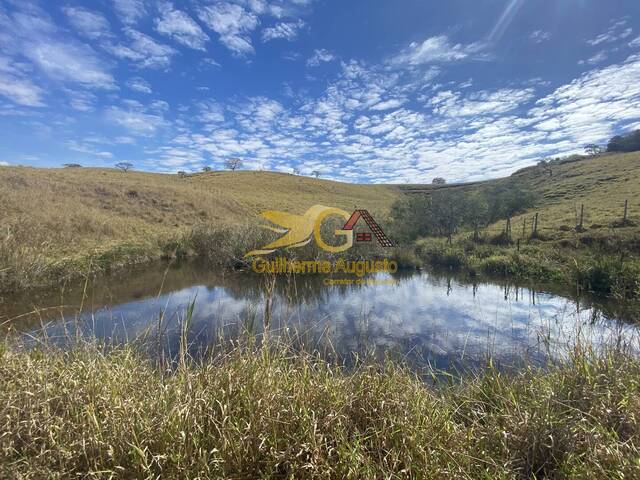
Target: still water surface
421	317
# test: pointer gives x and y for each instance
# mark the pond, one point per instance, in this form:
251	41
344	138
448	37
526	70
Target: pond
423	318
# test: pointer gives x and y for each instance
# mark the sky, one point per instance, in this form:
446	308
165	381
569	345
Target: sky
368	91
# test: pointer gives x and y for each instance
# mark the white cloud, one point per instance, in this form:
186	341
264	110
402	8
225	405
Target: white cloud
16	86
285	30
489	132
291	56
32	34
436	50
159	106
370	123
602	38
635	43
81	100
587	109
276	8
210	112
130	11
69	62
143	50
233	23
175	158
540	36
139	85
4	164
431	73
258	114
210	62
597	58
135	118
91	24
389	104
320	56
614	33
498	102
87	149
181	27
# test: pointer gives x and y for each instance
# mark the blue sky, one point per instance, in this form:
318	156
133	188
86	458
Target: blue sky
359	90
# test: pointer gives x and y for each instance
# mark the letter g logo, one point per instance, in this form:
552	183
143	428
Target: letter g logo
348	234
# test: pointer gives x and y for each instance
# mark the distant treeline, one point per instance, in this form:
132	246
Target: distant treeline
445	212
625	143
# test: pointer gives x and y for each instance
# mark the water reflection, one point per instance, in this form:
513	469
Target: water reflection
423	317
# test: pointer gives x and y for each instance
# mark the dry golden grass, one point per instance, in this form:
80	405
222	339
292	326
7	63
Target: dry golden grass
60	222
64	211
55	217
601	183
84	413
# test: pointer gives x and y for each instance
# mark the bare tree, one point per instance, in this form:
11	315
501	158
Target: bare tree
593	149
182	174
206	169
296	171
124	166
439	181
71	165
233	164
316	173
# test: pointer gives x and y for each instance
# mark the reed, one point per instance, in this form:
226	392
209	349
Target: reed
93	412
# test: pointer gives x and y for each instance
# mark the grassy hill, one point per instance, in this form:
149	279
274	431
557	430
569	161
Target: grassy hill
602	183
55	221
603	256
58	222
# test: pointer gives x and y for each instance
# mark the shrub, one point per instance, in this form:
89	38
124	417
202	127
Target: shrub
610	276
406	258
503	238
442	255
498	265
226	244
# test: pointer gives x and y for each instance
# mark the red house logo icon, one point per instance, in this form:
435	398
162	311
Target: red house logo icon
382	238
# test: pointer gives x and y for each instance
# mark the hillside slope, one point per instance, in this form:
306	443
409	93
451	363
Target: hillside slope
64	210
53	217
603	256
602	183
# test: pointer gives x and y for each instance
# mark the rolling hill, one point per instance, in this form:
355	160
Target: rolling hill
602	183
54	219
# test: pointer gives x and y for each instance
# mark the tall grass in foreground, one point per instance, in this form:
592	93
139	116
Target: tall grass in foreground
92	413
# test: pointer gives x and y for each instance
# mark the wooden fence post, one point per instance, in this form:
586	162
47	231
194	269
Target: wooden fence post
626	211
580	225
